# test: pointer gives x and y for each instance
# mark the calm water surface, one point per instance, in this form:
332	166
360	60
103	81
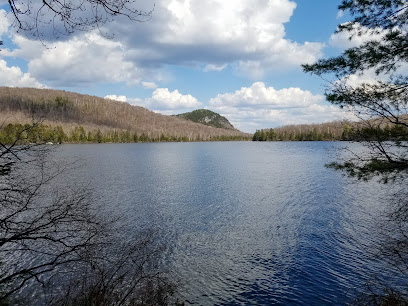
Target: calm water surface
247	222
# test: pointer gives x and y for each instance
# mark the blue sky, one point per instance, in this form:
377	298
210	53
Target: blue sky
239	58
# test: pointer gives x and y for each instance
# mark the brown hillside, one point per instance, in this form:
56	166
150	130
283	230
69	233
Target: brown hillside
70	110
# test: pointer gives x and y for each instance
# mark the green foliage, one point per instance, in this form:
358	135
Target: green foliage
41	133
207	117
264	135
381	105
37	133
311	135
54	241
375	17
61	103
67	109
375	167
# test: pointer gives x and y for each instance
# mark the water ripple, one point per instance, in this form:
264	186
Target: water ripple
247	223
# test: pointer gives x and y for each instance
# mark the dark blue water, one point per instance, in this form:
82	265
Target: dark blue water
247	222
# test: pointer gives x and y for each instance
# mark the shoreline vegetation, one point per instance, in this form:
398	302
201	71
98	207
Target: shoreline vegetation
58	117
42	133
67	117
372	130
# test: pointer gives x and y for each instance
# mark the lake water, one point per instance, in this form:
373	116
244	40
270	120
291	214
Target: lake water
247	222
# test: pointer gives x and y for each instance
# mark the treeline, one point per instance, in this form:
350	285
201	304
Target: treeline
41	133
378	133
70	110
303	132
339	131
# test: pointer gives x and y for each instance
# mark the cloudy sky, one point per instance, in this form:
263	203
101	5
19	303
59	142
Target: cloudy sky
240	58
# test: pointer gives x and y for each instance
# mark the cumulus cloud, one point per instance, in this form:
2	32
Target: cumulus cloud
258	106
116	98
14	77
163	100
84	59
247	35
237	31
91	58
248	108
248	120
218	33
260	96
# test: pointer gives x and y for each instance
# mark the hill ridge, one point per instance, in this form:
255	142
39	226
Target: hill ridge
207	117
71	110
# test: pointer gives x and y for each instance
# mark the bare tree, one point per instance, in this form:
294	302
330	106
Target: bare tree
54	241
42	18
42	226
124	273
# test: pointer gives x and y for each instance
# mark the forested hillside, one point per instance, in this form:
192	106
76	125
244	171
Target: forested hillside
308	132
71	117
375	129
207	117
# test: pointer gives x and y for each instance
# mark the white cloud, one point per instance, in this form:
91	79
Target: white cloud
250	119
149	85
217	33
342	40
225	21
116	98
248	108
284	55
258	106
340	14
248	35
368	77
260	96
14	77
27	49
87	59
84	59
4	22
212	67
163	99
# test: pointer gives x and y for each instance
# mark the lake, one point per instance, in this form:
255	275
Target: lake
247	222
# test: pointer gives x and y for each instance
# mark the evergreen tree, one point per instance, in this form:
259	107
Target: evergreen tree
382	107
375	103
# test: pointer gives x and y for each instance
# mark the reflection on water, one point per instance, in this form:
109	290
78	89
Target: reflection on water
248	223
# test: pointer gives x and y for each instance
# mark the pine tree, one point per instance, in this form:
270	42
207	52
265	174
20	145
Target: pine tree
377	103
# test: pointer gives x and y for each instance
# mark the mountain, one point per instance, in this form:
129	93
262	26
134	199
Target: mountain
209	118
102	119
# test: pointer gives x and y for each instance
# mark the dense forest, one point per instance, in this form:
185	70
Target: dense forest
61	116
337	130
